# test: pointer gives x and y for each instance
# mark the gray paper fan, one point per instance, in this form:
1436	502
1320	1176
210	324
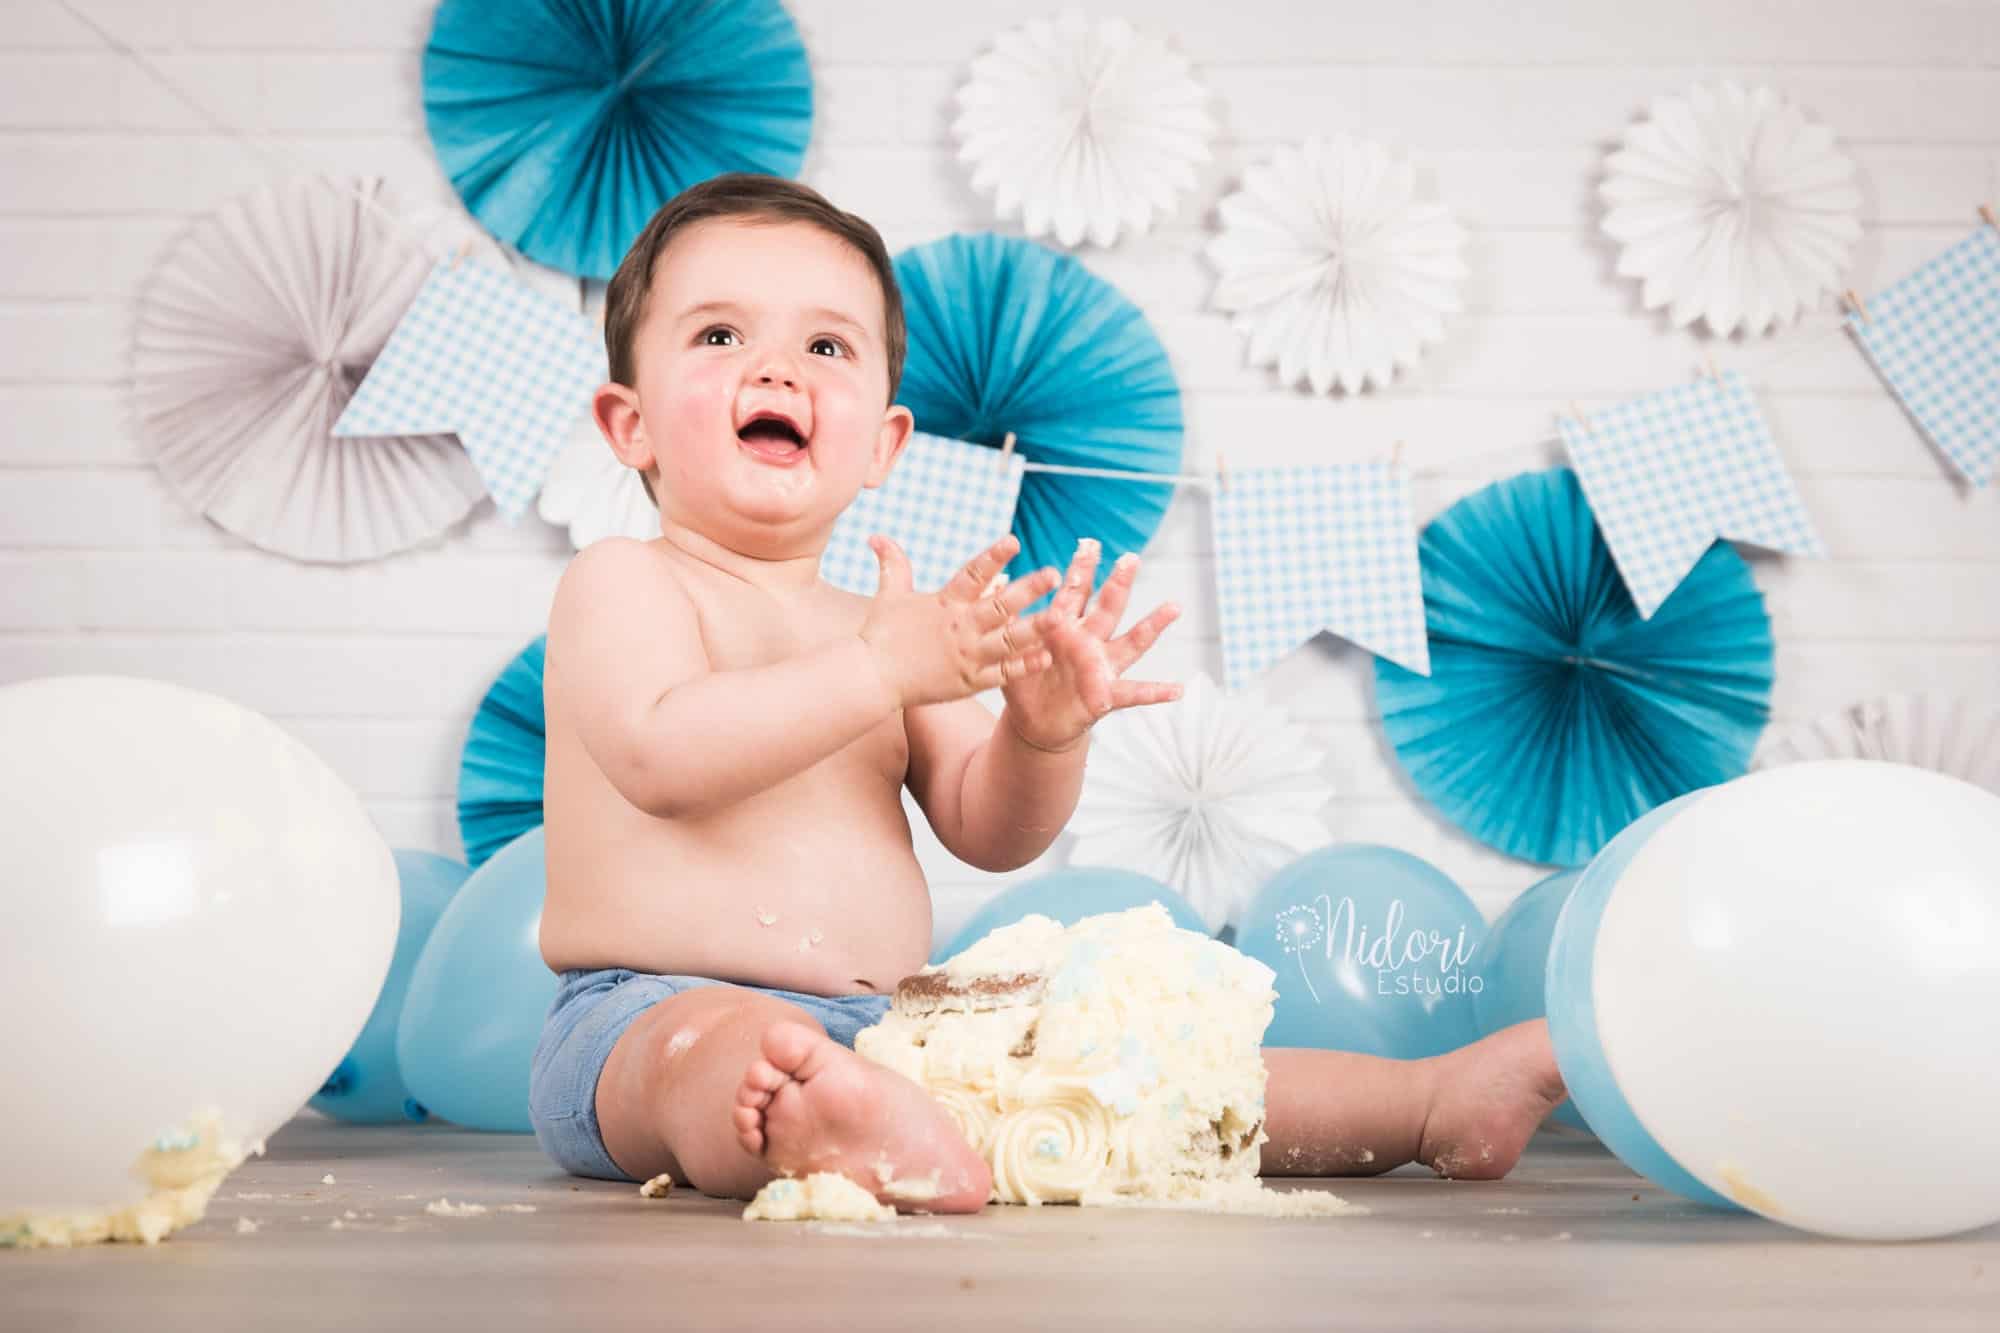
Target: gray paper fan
1942	732
252	336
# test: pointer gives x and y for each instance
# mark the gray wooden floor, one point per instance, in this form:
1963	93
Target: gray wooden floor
1570	1240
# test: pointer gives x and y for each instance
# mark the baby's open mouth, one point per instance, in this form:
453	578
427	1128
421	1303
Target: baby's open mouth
771	434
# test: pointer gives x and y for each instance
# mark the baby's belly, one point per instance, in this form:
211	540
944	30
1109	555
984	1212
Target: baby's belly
831	915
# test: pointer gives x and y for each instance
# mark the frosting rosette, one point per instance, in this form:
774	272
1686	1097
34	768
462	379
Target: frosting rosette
1054	1151
971	1110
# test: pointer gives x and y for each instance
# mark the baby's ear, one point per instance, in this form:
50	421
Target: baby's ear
616	409
897	423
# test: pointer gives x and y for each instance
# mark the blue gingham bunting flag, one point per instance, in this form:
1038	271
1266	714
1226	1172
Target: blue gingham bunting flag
1935	337
1669	473
1303	549
506	369
945	501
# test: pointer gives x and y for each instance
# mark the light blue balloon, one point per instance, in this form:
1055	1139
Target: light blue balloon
1069	895
477	999
1516	965
1375	950
1573	1016
367	1087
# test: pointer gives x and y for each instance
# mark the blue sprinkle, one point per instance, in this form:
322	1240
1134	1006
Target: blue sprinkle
1187	1032
1048	1146
178	1140
1178	1106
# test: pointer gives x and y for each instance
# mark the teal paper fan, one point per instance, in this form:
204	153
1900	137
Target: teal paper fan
564	124
500	770
1553	715
1007	336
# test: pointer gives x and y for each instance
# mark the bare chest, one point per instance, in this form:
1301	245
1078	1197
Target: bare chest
740	632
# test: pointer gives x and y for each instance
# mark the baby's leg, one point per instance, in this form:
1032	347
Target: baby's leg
1466	1114
668	1100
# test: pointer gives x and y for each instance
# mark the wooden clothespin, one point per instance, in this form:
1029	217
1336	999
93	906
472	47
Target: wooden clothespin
1986	216
1853	302
1708	361
1006	450
1221	472
458	255
1576	415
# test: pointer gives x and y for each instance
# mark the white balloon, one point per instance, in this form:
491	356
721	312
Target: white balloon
1796	984
200	914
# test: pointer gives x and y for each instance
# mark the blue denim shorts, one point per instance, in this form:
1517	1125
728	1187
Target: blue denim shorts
592	1009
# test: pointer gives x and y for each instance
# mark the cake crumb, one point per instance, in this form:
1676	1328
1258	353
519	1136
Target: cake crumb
822	1195
1562	1235
244	1226
658	1187
765	918
350	1214
816	937
805	943
517	1208
326	1179
254	1194
446	1208
336	1225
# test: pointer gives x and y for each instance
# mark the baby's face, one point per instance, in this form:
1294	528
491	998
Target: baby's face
763	382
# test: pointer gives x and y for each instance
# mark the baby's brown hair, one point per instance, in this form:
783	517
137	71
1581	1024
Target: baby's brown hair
741	194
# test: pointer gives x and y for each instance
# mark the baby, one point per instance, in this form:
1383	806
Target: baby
732	891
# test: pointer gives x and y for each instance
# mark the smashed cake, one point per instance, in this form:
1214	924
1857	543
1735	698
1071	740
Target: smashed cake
1116	1060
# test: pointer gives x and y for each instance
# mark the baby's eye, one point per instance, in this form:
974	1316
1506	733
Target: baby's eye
839	347
719	336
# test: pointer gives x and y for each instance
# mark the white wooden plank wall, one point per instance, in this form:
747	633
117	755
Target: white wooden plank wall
1508	110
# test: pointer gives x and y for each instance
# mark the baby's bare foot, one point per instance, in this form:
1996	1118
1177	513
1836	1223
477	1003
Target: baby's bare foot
810	1104
1490	1097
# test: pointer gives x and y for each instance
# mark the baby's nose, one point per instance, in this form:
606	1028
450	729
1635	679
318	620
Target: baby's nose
776	375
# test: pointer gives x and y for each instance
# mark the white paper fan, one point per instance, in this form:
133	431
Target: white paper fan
1332	269
594	495
1084	127
1942	732
250	339
1731	208
1208	794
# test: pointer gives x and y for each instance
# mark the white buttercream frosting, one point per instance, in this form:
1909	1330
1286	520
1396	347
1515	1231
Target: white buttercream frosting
1116	1060
181	1171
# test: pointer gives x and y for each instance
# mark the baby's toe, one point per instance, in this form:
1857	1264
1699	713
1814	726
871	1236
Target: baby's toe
789	1048
760	1081
749	1123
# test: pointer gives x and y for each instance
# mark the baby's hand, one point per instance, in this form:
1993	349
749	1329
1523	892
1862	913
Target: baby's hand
937	646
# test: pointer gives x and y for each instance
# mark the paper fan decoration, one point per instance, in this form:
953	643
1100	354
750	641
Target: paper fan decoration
1082	127
1945	733
1553	715
1209	794
1731	208
1009	336
564	124
250	339
594	495
500	769
1331	269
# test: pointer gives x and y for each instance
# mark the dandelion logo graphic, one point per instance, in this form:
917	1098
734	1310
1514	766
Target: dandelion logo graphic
1299	930
1399	954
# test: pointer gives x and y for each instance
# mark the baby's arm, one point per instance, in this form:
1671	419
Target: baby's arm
674	737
